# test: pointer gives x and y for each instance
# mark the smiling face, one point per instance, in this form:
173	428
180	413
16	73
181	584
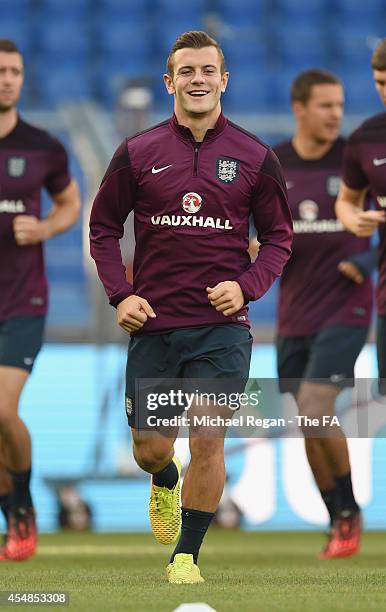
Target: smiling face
11	80
196	82
321	116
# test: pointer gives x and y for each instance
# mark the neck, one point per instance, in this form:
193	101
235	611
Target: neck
8	121
309	148
198	124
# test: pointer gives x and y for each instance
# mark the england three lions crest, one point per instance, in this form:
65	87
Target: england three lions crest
228	169
16	166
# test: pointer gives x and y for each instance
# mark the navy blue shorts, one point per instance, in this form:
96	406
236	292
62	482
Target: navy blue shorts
327	357
381	353
21	339
219	353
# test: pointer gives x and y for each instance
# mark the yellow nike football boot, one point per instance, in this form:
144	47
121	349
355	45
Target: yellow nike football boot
165	510
183	570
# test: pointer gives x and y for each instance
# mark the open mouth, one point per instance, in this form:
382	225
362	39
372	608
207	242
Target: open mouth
199	93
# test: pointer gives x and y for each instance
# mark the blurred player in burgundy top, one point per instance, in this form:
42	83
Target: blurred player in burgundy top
192	182
364	170
323	315
30	159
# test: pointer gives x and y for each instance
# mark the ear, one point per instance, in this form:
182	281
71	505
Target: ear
298	108
169	84
224	81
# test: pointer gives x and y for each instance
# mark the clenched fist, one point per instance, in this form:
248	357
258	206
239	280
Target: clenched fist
132	313
226	297
28	230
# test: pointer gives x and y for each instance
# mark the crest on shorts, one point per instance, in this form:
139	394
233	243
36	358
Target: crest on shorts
16	166
332	185
191	202
227	169
128	405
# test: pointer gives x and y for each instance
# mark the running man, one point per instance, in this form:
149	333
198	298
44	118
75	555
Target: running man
30	160
323	315
364	170
192	182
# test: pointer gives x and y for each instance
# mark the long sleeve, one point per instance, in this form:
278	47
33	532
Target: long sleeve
274	228
113	203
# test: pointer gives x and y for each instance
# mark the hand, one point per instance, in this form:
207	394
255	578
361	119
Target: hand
132	313
349	269
366	222
226	297
28	230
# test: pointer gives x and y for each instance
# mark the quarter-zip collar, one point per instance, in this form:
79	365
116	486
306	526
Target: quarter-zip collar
186	134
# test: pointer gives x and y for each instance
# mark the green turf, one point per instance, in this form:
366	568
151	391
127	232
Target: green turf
243	572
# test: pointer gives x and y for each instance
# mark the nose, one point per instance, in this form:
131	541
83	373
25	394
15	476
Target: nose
337	112
7	77
198	77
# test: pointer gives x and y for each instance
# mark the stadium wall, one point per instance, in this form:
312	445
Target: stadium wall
74	407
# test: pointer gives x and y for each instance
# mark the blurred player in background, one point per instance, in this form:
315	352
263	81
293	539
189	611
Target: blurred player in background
192	182
364	170
323	315
30	159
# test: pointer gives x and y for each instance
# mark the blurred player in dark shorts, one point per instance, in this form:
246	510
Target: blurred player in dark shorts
364	170
30	159
192	182
323	315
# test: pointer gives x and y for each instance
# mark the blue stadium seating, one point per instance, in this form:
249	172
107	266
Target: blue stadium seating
113	40
175	7
299	47
245	46
169	29
63	37
361	96
64	85
249	12
56	10
17	31
354	45
360	12
247	91
125	37
124	5
14	10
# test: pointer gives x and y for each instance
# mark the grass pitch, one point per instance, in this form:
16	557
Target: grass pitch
244	571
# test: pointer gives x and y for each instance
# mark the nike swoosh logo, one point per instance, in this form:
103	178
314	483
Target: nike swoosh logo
379	162
155	170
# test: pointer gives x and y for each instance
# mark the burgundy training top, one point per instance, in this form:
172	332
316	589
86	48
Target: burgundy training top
313	293
191	205
365	166
30	159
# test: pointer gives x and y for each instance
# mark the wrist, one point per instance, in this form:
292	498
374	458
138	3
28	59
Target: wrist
45	230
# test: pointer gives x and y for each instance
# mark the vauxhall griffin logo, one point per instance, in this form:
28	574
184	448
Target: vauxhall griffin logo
191	202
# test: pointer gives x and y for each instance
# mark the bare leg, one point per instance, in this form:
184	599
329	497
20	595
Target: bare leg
15	437
205	478
328	456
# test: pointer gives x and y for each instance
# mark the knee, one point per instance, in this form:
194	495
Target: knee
152	457
308	405
8	415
